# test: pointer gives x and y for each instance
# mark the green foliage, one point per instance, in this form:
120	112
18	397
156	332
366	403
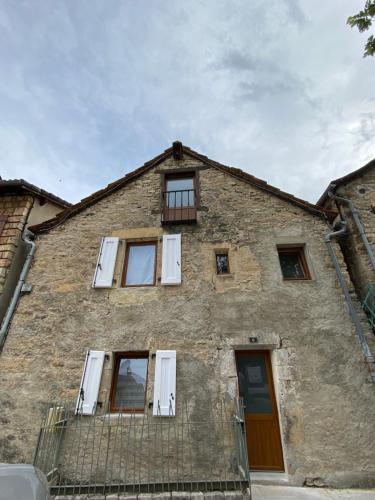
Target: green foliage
363	21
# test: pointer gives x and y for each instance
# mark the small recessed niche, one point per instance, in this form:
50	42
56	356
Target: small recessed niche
362	190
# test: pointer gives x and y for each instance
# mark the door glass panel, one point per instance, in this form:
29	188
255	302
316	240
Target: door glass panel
253	384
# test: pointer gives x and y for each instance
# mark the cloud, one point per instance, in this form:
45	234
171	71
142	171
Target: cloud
234	60
94	89
365	130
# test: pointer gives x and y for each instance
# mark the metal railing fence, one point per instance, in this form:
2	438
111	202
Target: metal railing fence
199	449
179	205
368	304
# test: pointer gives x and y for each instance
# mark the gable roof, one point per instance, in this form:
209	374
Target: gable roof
20	186
176	150
333	185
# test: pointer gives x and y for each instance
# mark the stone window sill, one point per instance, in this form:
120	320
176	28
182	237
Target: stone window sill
120	415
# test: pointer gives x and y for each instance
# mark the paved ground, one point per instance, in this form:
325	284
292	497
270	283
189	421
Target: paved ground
262	492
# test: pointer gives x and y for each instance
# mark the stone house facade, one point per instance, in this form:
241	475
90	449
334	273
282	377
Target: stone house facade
353	197
187	280
21	205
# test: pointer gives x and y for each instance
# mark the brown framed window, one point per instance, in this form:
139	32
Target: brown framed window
140	264
180	190
129	382
180	197
3	221
293	263
222	263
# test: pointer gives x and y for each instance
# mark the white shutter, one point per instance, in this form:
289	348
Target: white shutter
165	384
171	260
91	377
105	266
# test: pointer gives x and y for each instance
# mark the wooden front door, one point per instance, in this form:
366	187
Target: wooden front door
261	417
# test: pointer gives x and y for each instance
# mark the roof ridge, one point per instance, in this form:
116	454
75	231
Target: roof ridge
345	178
234	171
264	185
27	186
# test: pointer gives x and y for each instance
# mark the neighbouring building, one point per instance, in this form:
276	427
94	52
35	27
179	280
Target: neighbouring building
21	205
353	197
187	281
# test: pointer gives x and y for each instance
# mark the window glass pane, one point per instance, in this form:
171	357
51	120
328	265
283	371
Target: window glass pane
180	192
291	265
180	184
222	264
131	383
141	265
253	383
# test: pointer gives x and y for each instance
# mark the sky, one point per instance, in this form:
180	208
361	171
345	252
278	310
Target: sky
92	89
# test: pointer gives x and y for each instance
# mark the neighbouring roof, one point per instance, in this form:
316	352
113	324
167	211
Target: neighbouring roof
20	186
333	185
177	148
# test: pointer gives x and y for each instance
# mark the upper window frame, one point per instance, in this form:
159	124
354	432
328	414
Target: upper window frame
126	262
190	174
298	250
174	216
117	358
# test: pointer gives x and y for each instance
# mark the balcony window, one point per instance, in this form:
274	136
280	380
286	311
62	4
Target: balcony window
179	198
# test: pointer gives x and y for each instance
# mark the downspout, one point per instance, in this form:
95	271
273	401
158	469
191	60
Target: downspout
26	237
353	314
357	222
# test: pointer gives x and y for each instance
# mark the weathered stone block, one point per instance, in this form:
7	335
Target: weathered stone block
161	496
214	495
246	494
180	495
196	495
145	496
233	495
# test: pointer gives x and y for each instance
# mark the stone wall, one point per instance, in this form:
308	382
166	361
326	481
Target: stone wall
323	388
16	208
361	191
21	211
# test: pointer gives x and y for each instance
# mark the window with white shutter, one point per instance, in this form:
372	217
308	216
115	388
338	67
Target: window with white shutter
105	266
90	383
171	260
128	393
164	404
140	264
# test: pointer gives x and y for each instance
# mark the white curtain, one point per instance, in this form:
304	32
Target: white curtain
141	265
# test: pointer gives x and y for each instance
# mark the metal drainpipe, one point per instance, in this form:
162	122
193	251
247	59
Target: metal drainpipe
357	222
353	314
26	237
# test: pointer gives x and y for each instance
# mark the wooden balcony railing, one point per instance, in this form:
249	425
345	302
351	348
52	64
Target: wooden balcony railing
179	206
